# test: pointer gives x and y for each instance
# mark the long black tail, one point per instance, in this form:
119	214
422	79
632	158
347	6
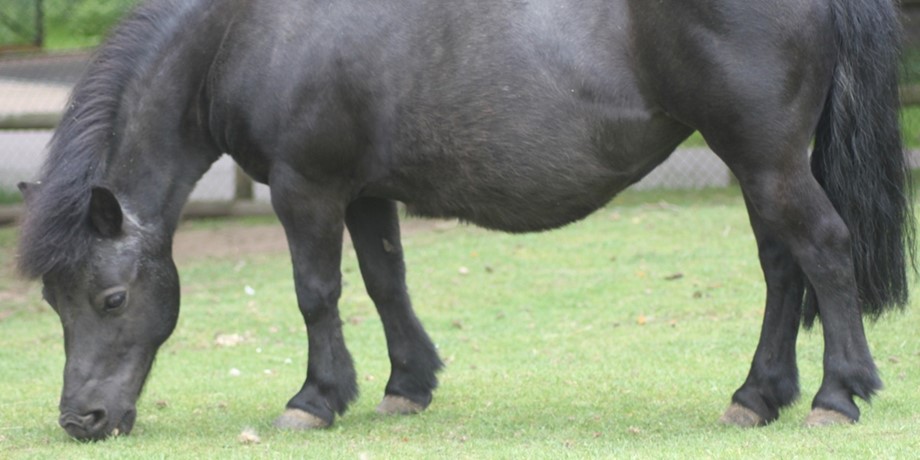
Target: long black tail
859	158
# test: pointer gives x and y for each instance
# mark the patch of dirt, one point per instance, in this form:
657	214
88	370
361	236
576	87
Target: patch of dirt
235	241
231	241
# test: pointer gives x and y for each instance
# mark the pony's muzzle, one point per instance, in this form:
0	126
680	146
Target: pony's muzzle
94	425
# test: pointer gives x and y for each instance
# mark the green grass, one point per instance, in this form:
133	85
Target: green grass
565	344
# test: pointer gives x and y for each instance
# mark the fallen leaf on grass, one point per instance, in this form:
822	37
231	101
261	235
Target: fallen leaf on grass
249	436
229	340
641	320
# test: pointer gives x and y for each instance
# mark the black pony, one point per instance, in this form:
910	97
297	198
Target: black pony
514	115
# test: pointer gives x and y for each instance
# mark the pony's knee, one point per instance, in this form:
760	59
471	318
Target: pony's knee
316	299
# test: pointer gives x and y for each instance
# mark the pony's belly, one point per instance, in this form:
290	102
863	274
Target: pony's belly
510	213
519	183
518	197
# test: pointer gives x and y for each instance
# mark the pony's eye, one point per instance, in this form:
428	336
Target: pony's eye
115	300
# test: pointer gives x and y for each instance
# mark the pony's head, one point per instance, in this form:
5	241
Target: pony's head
115	288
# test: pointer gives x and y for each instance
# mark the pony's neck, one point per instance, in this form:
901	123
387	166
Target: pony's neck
161	144
162	151
134	124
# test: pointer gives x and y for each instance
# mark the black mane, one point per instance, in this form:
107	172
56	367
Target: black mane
55	232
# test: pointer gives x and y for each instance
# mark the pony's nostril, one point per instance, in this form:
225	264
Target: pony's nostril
95	419
83	425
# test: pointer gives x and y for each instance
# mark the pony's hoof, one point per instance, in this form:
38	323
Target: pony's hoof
826	417
397	405
296	419
740	416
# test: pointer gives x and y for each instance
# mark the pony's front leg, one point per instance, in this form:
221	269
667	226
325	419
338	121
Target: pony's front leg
374	227
772	382
313	219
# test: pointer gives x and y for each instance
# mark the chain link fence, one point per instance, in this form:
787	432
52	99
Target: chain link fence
33	92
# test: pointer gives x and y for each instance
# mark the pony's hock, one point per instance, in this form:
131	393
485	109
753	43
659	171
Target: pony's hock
517	116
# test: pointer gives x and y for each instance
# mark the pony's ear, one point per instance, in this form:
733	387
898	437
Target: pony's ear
105	212
29	190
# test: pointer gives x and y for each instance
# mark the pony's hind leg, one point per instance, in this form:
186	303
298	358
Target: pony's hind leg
313	220
374	227
772	382
795	210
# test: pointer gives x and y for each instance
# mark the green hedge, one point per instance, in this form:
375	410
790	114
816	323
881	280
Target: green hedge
67	23
81	23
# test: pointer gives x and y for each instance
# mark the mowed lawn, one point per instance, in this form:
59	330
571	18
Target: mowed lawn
622	336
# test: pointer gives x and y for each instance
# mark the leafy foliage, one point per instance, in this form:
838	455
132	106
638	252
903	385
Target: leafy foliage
81	23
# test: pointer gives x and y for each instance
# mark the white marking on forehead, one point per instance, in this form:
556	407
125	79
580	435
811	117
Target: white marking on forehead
132	219
134	230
